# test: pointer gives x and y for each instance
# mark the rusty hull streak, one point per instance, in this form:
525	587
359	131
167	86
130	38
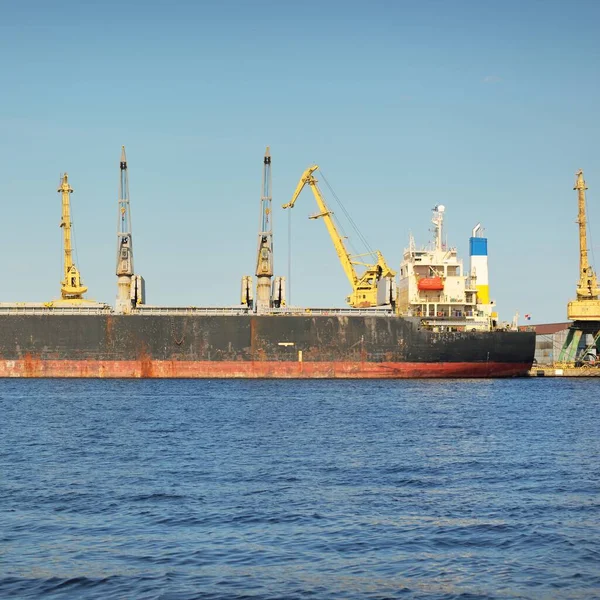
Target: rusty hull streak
157	369
31	366
146	365
109	329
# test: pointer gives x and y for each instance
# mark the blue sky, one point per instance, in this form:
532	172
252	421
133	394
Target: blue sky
486	107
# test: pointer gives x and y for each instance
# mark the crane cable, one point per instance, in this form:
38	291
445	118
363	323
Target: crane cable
348	240
347	215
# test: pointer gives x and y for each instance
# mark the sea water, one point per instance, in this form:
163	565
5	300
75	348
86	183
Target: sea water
300	489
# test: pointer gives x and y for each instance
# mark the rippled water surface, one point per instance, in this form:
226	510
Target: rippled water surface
300	489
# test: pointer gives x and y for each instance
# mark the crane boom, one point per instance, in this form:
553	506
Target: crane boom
364	288
309	179
71	288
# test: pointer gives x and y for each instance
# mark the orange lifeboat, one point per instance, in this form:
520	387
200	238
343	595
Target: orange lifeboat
430	284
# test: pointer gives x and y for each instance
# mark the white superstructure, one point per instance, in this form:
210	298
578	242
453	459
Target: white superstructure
432	283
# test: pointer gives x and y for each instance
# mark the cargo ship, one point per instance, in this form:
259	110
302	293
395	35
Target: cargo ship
432	320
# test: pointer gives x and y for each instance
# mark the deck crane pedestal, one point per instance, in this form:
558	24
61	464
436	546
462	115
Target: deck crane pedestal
130	287
364	287
71	288
581	345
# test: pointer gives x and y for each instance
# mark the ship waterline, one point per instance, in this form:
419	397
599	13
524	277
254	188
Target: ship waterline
147	368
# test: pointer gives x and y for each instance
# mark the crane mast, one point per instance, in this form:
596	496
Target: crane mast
124	242
364	288
587	305
587	287
71	287
584	311
264	260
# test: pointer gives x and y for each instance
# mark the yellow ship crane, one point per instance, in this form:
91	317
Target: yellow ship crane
587	305
70	287
364	287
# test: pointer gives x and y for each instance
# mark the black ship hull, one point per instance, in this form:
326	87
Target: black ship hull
272	346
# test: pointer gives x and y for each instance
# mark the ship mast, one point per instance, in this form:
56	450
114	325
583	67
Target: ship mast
71	288
587	288
438	221
124	242
264	260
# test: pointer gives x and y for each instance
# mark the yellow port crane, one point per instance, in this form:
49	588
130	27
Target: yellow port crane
70	287
581	346
364	287
587	305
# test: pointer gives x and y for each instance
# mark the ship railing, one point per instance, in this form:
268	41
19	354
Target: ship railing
55	310
304	311
40	309
191	310
244	310
442	300
466	324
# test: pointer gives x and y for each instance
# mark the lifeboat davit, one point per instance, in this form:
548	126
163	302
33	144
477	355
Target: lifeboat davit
431	283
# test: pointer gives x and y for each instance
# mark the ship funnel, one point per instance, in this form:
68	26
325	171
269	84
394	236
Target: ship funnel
478	255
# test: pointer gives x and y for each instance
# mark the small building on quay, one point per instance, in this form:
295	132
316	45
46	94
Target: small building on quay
550	339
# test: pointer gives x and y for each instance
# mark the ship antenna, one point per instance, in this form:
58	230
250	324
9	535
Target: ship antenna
438	221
